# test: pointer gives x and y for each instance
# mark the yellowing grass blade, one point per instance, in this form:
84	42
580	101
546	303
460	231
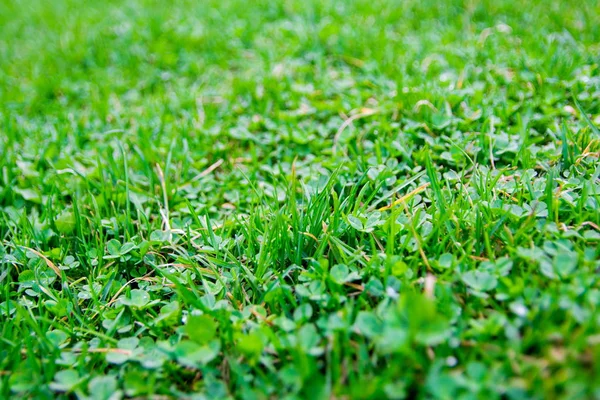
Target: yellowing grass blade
406	197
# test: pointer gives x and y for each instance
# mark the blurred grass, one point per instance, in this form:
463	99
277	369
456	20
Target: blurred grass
78	55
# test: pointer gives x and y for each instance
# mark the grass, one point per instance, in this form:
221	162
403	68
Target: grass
361	199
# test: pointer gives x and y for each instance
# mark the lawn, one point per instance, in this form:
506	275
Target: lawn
317	199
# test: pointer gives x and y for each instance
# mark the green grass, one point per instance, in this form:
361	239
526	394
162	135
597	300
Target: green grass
301	199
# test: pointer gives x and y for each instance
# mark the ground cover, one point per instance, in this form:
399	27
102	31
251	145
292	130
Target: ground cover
362	199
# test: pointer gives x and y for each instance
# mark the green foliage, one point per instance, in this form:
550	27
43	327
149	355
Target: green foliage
299	199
